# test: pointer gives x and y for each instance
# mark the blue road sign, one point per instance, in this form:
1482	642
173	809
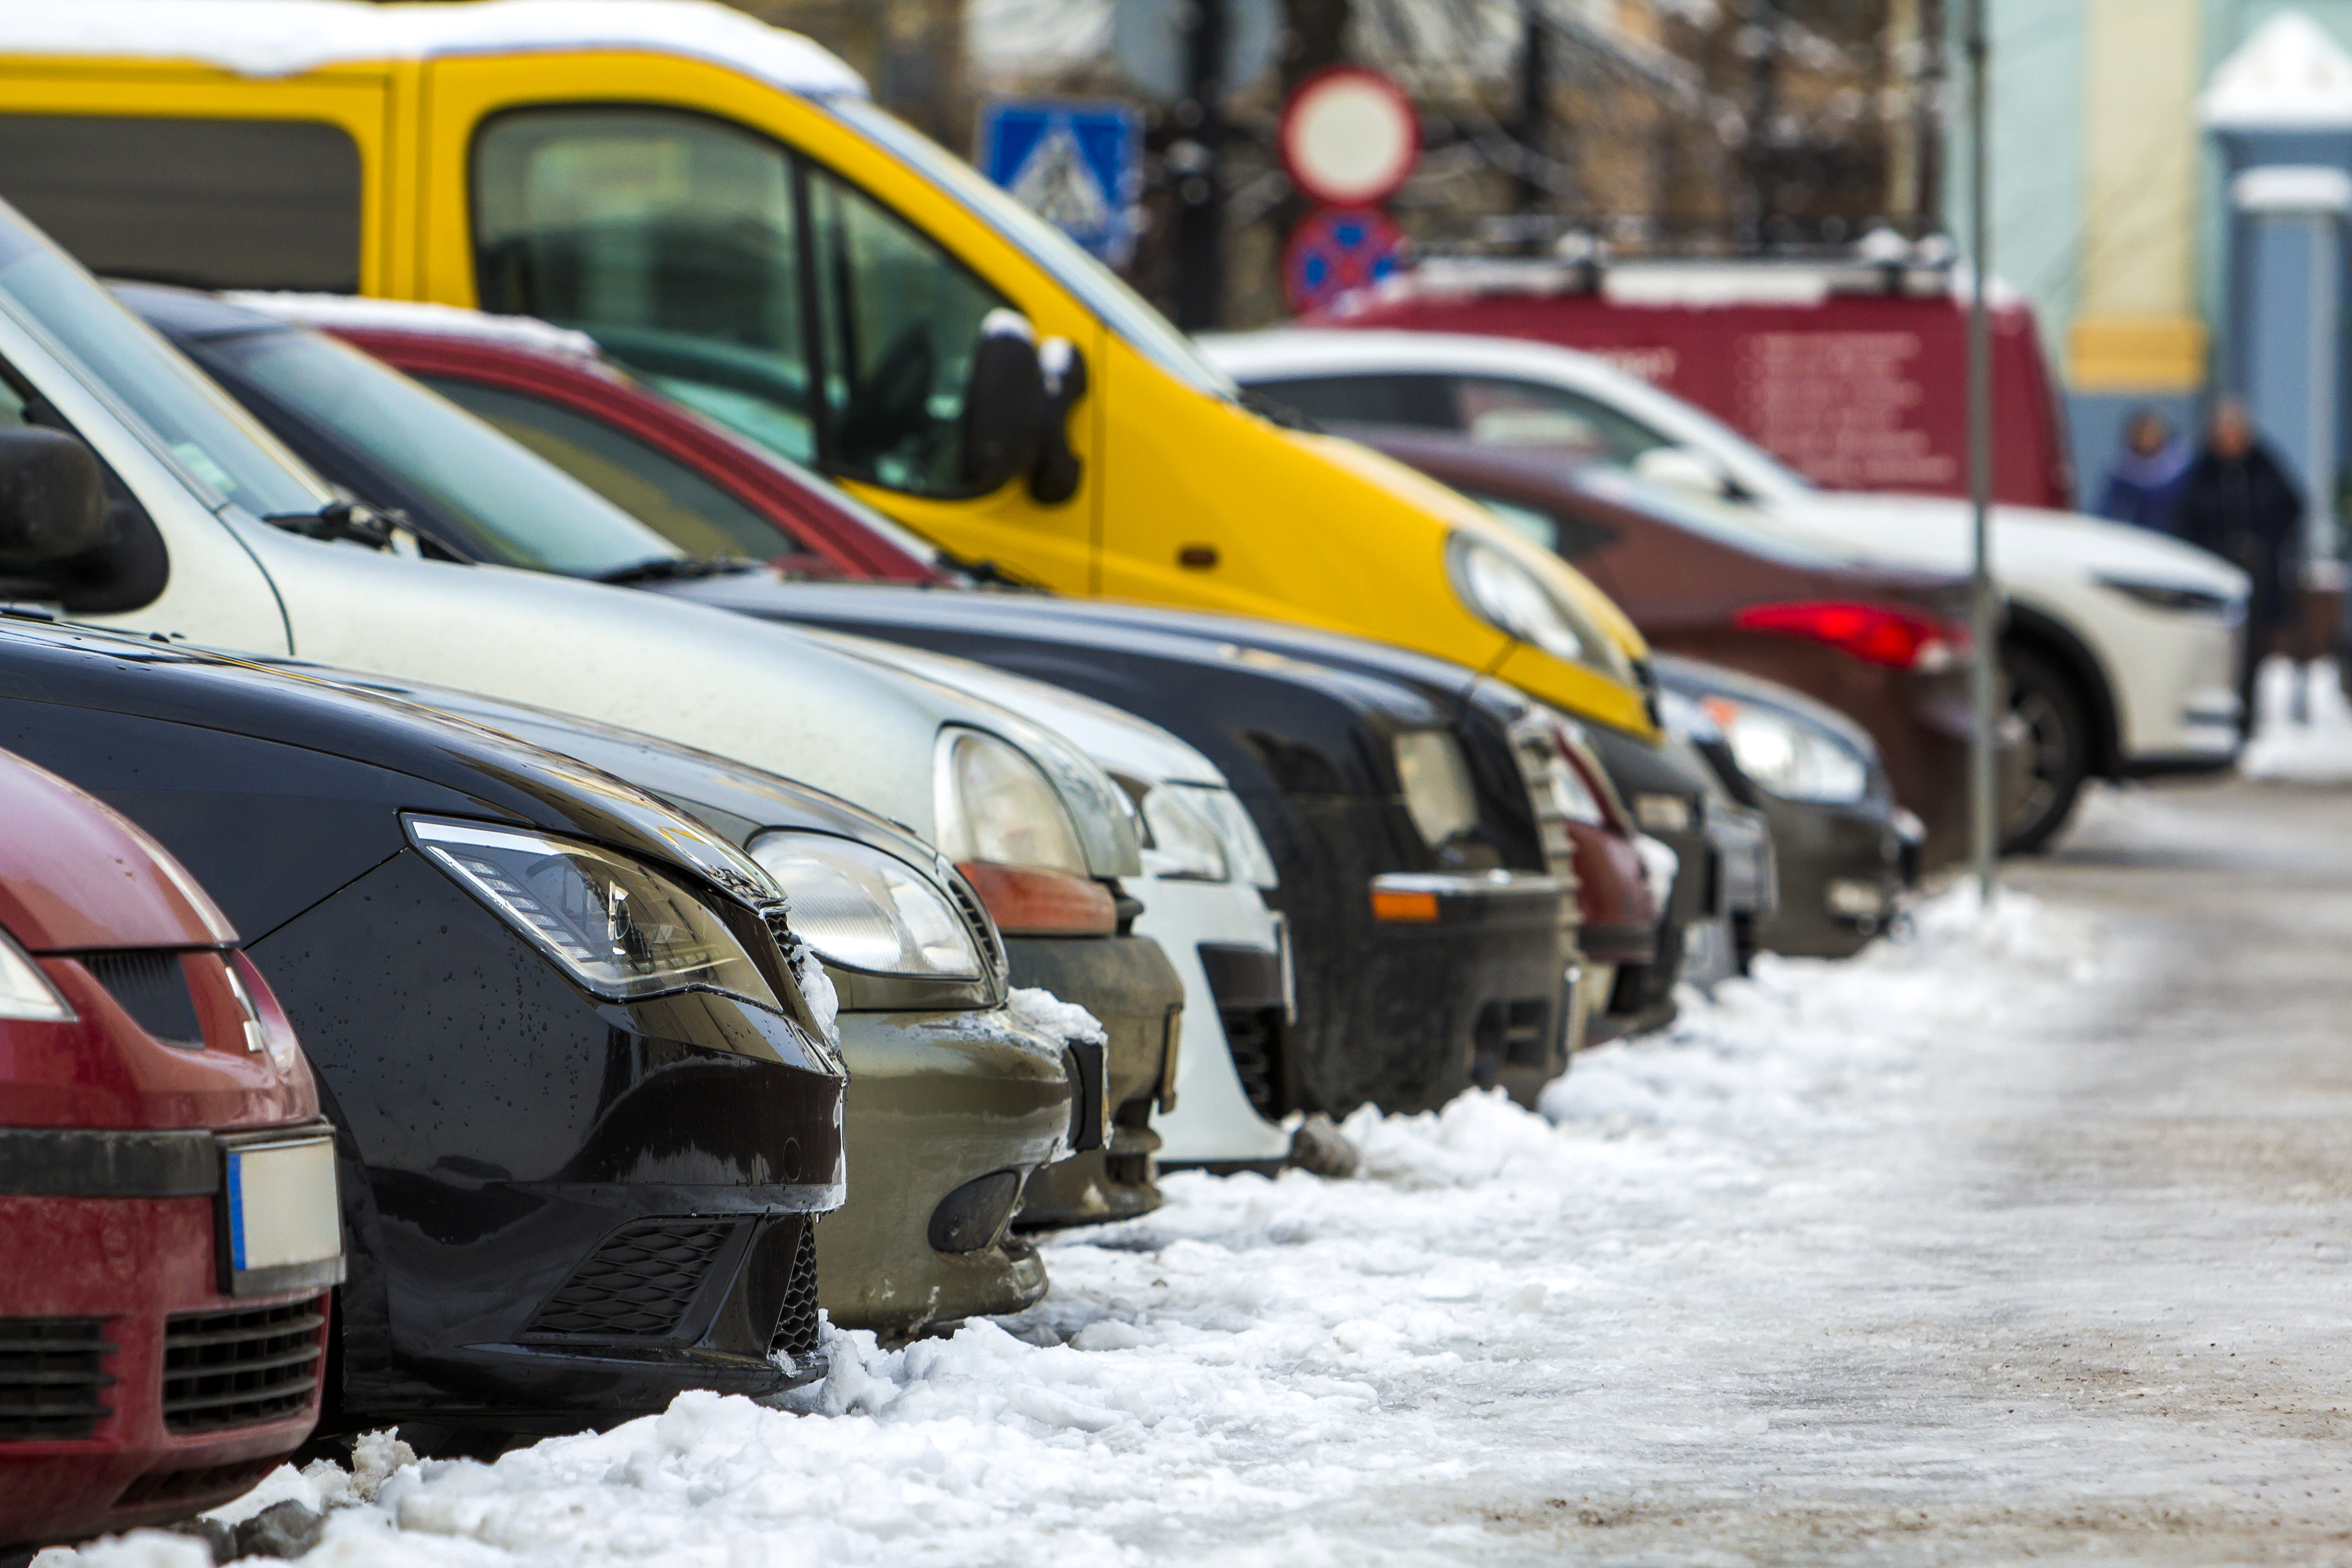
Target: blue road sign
1077	165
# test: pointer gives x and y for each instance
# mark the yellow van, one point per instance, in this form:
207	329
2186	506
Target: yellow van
721	203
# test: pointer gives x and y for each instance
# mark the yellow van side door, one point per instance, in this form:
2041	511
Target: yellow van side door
183	174
746	252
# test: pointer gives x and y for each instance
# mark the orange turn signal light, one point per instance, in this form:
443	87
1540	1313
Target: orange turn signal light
1390	905
1029	901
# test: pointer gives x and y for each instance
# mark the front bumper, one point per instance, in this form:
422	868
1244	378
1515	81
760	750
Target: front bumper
1234	959
1132	989
126	1291
939	1103
1841	876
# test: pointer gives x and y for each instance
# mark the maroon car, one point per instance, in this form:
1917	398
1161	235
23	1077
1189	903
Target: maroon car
1886	646
168	1221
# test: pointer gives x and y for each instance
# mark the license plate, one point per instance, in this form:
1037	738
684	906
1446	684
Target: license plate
285	1228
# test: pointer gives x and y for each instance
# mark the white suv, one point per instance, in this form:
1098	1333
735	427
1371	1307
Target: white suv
2121	645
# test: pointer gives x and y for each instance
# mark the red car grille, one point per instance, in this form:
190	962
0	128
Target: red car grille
53	1377
241	1368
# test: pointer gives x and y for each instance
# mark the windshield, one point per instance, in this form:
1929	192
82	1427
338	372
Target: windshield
1120	308
215	444
1744	528
513	506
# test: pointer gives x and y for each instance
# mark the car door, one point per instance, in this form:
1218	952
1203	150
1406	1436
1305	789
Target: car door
750	254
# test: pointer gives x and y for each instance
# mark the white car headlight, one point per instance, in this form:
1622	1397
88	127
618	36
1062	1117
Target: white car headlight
1182	844
621	929
24	991
1506	594
862	909
1247	856
1438	791
1792	759
996	808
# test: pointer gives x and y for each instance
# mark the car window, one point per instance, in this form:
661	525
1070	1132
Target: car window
1740	526
514	506
900	320
651	486
672	238
1415	402
209	203
1505	412
1569	535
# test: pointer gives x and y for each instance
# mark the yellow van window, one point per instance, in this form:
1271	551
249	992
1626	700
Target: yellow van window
901	320
672	237
678	241
213	204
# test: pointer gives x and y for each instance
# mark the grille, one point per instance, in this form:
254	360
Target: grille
1253	1037
983	929
639	1282
240	1369
1537	751
52	1372
154	989
197	1486
797	1334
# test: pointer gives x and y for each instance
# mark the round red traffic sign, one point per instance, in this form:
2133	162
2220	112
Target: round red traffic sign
1335	250
1349	136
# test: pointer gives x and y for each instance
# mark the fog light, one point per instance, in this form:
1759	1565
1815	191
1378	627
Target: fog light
973	1216
1855	900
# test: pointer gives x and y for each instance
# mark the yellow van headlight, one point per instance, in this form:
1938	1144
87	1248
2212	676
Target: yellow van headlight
1503	592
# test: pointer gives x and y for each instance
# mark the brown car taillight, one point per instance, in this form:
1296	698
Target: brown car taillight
1030	900
1880	634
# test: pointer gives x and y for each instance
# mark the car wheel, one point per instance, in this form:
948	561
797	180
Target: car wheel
2057	727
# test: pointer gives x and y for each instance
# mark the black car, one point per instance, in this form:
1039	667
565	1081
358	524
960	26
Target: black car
1407	991
1846	851
585	1121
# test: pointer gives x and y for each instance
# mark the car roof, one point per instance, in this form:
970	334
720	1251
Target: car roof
352	313
288	38
179	312
1298	351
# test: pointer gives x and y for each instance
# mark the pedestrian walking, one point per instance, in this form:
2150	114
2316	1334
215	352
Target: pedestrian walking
2144	482
2239	503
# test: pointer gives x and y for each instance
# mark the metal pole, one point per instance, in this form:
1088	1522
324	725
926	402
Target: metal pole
1535	100
1984	823
1200	184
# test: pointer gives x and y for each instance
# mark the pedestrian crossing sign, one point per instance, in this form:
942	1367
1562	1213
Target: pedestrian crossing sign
1076	166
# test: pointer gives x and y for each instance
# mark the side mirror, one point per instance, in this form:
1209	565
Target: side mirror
1683	470
1054	477
1006	408
52	497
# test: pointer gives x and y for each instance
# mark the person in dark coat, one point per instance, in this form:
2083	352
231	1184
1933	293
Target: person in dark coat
2239	503
2144	481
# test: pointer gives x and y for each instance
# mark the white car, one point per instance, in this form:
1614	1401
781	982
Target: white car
2121	645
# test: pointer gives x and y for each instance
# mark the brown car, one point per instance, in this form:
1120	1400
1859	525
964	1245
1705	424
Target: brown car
1886	646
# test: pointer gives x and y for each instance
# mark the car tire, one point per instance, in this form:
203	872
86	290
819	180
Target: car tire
2058	729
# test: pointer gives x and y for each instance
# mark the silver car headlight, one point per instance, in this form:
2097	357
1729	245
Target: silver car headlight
619	927
1179	843
1247	856
862	909
996	808
1438	792
1792	759
24	991
1505	593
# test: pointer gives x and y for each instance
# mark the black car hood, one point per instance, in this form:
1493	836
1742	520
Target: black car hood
1270	719
376	749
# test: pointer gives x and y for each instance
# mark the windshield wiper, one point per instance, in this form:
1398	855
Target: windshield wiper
986	574
352	520
669	568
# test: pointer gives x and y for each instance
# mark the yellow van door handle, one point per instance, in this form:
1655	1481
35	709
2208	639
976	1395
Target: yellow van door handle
1197	557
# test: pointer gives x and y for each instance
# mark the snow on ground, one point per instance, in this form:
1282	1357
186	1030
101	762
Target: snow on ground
2317	750
1507	1313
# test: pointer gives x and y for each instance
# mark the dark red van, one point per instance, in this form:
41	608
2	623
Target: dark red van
169	1228
1854	374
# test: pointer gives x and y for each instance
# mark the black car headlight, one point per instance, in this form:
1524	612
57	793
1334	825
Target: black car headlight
1787	757
615	925
863	910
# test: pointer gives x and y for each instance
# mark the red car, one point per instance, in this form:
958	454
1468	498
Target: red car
168	1214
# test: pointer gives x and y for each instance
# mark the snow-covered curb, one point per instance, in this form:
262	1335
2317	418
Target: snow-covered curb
1289	1370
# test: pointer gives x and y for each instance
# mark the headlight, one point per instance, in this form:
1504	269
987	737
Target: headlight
24	991
996	808
2172	597
1686	719
620	929
1247	856
864	909
1438	793
1792	759
1504	594
1179	843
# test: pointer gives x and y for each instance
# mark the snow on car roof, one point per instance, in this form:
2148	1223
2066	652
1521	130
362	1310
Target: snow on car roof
286	37
344	311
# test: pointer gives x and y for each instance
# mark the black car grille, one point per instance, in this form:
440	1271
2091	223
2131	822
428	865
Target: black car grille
1537	753
52	1375
637	1285
1253	1037
152	988
983	929
240	1369
797	1333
